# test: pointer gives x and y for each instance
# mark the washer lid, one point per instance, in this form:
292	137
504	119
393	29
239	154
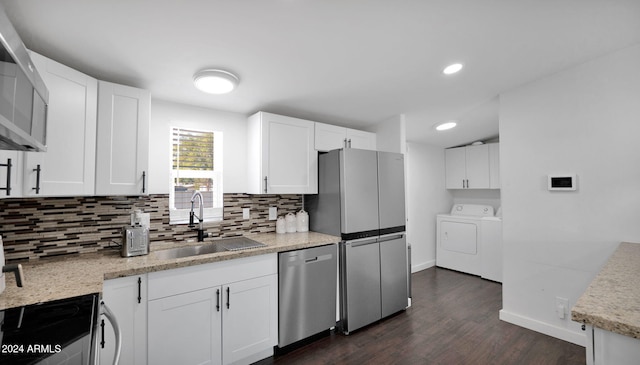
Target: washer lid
476	210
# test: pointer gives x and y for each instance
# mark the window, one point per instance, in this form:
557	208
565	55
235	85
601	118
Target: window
196	166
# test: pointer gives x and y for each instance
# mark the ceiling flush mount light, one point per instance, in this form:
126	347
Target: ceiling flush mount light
446	125
451	69
215	81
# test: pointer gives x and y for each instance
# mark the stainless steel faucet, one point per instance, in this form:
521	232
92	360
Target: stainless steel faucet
192	214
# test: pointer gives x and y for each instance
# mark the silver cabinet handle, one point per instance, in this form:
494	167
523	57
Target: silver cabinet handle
345	143
144	178
116	330
265	184
349	142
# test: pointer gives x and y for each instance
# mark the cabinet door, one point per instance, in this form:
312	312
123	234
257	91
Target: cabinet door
121	296
67	168
477	167
250	319
494	165
186	328
393	274
613	348
361	139
360	285
329	137
455	166
123	140
289	159
13	172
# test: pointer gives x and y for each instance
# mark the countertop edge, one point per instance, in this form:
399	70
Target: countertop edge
66	277
611	301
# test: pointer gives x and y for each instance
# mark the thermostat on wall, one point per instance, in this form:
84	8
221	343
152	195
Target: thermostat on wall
562	182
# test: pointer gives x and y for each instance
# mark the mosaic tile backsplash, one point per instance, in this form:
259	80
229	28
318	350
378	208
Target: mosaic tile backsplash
34	228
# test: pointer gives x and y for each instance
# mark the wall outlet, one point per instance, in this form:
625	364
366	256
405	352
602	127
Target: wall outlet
562	307
273	213
246	214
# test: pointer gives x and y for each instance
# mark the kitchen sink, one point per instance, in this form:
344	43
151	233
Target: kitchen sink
222	245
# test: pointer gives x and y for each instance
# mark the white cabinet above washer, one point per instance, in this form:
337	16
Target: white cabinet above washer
472	167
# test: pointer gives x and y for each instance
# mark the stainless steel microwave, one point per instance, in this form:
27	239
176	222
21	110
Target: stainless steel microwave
23	94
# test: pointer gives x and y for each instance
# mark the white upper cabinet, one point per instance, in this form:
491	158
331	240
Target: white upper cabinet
10	174
122	154
330	137
468	167
67	168
281	155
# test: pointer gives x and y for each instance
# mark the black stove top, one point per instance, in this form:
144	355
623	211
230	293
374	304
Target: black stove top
32	333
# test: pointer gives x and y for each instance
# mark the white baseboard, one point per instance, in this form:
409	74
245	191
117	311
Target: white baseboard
579	339
423	266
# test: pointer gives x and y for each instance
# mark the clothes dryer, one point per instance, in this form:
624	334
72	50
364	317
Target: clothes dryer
459	237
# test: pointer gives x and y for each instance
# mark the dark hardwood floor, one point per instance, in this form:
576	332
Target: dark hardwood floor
453	320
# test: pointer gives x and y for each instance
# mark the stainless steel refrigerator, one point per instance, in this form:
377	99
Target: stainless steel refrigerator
361	199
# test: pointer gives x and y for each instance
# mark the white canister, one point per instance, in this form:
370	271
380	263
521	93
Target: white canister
302	221
290	221
280	225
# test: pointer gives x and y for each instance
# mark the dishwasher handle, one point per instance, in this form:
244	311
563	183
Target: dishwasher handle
320	258
116	329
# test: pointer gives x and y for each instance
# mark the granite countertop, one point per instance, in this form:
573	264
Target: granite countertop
59	278
612	301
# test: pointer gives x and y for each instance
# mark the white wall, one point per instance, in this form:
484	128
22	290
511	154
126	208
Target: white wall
584	120
426	197
165	115
477	196
391	135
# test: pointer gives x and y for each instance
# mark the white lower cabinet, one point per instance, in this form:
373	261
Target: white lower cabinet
605	347
185	328
249	320
127	299
219	313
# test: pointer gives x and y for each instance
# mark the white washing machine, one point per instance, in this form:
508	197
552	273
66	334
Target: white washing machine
459	237
491	247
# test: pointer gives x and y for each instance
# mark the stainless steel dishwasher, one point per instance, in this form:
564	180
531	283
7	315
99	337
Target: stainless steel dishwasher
307	289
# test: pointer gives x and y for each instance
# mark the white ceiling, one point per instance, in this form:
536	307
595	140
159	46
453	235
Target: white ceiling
345	62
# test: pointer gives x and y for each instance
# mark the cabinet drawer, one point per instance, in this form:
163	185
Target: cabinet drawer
176	281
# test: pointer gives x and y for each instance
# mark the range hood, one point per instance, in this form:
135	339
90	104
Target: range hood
23	94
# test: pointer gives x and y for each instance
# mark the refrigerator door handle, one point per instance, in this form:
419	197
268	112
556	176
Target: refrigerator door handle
362	242
390	237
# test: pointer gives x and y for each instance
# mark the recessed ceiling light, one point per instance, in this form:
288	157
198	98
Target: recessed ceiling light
451	69
215	81
446	125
